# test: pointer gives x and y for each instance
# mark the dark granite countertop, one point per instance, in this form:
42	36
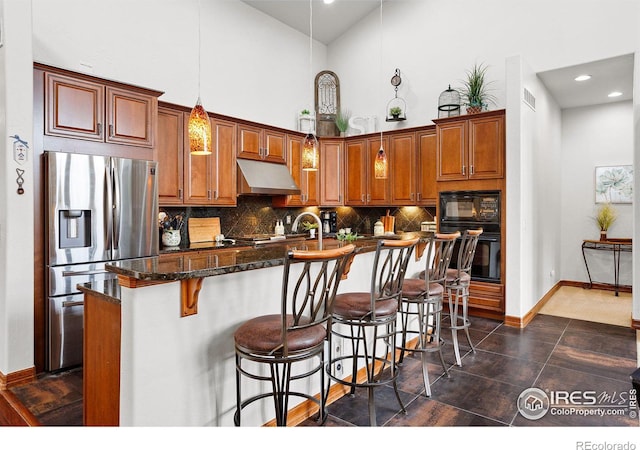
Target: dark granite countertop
207	261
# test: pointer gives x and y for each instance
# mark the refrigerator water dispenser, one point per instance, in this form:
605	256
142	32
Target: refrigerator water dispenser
75	228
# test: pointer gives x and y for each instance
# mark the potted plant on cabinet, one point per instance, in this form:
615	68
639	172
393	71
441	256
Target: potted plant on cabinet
342	121
475	90
605	217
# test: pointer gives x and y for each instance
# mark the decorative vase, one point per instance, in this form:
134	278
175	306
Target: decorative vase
171	238
474	109
312	233
603	235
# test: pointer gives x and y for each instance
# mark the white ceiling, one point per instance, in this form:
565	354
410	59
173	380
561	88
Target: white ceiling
333	20
329	21
612	74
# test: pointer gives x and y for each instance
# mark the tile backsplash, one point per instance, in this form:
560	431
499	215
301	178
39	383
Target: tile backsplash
256	215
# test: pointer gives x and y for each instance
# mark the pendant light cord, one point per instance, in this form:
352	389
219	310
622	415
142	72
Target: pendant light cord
199	47
311	105
380	74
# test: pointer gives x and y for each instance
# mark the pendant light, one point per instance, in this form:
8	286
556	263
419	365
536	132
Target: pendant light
381	165
199	124
310	152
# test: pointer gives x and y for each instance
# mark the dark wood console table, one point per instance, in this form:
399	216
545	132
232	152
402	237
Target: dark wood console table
617	246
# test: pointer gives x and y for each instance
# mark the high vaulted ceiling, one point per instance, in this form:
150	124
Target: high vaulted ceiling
330	21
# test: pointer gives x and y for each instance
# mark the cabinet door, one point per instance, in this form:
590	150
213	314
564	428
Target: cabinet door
486	148
130	117
294	163
355	173
249	142
74	108
274	147
198	174
224	163
378	189
169	152
402	169
331	167
452	146
427	190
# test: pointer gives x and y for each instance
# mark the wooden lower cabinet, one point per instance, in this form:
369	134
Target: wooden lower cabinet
487	299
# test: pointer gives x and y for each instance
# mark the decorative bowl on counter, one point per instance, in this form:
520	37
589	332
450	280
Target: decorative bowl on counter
171	238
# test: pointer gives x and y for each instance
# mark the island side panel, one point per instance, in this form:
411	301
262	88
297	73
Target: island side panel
101	372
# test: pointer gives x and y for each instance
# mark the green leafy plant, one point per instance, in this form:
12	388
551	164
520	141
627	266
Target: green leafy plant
305	112
606	216
395	111
349	237
342	120
475	90
306	225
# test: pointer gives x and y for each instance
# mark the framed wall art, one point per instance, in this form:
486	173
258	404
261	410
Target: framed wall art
614	184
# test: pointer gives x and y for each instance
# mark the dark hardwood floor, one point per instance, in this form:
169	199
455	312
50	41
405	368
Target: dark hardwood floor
551	353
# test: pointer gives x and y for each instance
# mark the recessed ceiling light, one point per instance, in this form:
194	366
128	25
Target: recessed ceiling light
328	2
582	77
615	94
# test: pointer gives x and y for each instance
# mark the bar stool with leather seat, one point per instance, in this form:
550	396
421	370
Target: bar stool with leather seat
457	285
422	304
298	334
368	321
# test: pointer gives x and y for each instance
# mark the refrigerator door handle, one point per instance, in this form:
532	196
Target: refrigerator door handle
107	208
67	304
71	273
116	208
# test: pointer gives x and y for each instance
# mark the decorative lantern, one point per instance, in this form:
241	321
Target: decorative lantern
397	107
449	103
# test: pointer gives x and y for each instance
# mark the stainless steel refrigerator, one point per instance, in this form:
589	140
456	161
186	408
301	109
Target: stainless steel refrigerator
100	209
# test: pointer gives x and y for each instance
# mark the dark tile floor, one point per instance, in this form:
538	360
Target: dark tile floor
551	353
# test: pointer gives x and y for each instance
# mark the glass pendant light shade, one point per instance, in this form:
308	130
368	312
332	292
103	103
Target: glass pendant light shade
381	167
310	153
199	131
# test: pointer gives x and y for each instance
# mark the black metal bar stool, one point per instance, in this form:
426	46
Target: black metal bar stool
295	335
422	304
368	321
457	284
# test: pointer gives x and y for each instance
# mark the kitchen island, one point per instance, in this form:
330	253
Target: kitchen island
159	345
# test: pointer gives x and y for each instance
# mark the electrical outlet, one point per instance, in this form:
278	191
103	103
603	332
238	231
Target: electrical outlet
338	368
288	220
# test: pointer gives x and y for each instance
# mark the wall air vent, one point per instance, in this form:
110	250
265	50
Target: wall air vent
529	99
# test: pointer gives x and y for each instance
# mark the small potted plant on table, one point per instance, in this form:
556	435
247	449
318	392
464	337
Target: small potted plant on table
605	217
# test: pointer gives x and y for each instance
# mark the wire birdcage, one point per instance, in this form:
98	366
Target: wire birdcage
449	103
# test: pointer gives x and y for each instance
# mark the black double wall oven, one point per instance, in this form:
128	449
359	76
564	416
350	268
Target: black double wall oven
462	210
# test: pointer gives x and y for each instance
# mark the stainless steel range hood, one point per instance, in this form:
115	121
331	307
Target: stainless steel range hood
263	178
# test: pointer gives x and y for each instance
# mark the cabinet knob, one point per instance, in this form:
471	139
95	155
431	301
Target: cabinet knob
464	170
180	193
471	170
99	128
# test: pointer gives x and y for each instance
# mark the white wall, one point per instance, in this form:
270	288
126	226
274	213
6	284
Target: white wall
435	42
16	220
252	66
593	136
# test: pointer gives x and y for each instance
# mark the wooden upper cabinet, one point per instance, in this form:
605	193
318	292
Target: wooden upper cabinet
225	188
402	168
355	193
169	154
211	179
331	173
130	117
427	192
307	181
185	179
260	143
378	189
471	148
83	109
361	186
74	108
